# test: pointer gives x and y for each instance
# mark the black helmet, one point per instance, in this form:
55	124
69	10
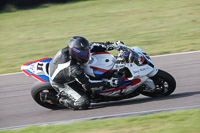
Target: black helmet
79	49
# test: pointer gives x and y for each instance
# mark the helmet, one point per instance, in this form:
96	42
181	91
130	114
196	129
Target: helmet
79	49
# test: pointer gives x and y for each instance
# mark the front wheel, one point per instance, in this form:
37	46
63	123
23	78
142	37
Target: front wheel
39	89
165	85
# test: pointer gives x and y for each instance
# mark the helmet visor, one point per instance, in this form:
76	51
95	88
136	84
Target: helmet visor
81	54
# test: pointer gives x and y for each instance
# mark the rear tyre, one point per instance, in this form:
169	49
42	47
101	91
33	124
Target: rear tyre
165	85
40	88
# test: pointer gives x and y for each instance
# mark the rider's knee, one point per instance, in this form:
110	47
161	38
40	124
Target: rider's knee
82	103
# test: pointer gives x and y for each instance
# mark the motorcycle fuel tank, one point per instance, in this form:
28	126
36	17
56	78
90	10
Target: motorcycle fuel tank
99	64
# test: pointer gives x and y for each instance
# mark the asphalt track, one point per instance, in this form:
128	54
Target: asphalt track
18	108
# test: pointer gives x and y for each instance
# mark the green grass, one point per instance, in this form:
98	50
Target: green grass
187	121
157	26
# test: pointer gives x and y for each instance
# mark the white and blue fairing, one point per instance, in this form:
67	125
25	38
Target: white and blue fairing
100	65
38	69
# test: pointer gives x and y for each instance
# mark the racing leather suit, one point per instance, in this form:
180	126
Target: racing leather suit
66	73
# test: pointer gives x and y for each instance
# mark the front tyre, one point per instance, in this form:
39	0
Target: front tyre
165	85
41	88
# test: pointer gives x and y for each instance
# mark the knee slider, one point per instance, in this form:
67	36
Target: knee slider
83	102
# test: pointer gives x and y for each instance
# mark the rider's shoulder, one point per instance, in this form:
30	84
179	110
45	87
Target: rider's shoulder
61	56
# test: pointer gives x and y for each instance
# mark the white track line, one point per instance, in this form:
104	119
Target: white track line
104	117
8	74
192	52
150	56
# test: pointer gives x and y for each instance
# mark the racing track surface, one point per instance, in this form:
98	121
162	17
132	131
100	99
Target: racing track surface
18	108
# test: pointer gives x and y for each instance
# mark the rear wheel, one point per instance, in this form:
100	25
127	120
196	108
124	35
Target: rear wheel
165	85
40	90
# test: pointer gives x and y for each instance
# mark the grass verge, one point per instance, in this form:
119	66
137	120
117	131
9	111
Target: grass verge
157	26
187	121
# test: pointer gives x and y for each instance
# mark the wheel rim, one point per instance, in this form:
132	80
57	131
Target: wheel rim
42	93
162	86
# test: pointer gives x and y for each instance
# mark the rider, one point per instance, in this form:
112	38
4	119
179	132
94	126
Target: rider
66	70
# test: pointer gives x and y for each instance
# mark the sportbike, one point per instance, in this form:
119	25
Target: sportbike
132	72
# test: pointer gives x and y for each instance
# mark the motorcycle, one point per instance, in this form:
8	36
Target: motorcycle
133	66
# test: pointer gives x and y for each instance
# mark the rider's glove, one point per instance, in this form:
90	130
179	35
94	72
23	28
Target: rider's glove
117	44
109	46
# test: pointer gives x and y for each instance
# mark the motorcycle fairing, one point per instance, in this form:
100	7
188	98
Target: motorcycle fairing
100	65
37	69
124	85
100	73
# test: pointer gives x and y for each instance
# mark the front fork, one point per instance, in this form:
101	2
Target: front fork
153	73
149	85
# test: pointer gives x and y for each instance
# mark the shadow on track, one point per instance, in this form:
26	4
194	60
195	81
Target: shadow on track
142	100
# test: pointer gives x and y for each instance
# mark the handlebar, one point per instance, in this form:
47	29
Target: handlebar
120	46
